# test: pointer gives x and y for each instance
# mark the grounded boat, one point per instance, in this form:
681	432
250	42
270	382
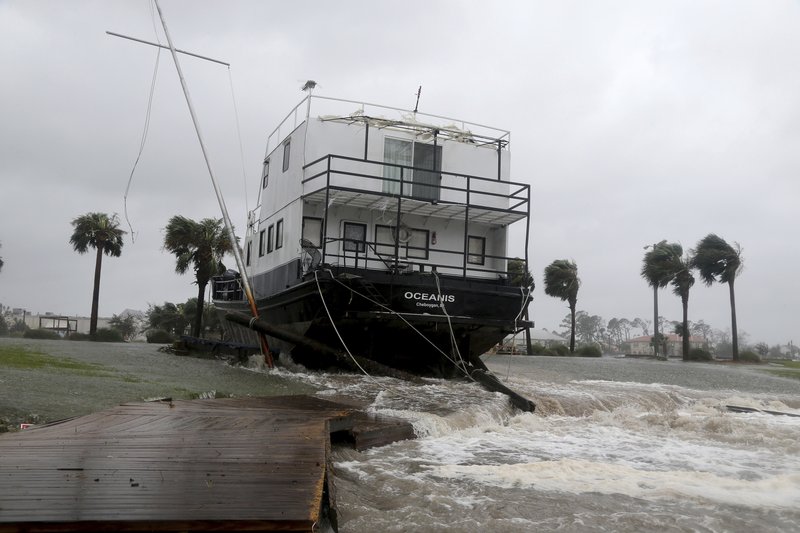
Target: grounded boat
383	233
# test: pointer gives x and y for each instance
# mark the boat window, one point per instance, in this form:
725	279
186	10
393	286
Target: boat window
355	237
270	234
384	240
477	250
279	234
396	152
286	150
312	230
417	245
249	247
265	174
261	243
427	182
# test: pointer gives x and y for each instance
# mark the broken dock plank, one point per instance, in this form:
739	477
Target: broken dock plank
192	465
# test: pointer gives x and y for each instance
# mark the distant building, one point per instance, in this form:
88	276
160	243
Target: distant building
516	343
61	324
674	345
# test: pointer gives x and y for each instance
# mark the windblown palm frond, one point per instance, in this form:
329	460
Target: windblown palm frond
201	246
98	231
716	260
661	263
561	280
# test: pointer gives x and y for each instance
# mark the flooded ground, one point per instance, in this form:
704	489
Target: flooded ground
108	374
615	444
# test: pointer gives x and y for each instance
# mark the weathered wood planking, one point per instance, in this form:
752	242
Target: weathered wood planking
227	464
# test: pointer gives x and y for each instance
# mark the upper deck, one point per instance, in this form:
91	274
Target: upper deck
378	172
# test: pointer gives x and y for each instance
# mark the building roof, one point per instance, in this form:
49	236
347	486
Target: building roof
539	335
671	337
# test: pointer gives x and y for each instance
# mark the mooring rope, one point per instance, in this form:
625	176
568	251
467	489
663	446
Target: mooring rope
453	341
325	305
401	317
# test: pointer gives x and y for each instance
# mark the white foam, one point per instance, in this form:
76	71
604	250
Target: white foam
580	476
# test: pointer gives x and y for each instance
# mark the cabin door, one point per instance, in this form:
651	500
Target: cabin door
426	182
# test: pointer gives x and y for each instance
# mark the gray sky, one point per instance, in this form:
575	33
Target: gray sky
634	121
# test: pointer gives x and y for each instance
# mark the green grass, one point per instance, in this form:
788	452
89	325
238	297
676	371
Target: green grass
791	369
23	359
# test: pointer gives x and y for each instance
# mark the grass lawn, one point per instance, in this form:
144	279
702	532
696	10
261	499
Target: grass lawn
791	369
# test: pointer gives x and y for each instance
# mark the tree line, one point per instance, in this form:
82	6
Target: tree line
663	264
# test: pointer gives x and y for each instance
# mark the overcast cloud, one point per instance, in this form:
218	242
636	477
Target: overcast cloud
634	121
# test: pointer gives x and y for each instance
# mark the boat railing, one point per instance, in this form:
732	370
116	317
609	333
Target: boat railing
372	259
340	180
328	107
364	176
225	289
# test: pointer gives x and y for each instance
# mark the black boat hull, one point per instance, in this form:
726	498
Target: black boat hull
418	322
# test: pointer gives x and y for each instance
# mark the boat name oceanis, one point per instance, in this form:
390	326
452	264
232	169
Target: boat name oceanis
447	298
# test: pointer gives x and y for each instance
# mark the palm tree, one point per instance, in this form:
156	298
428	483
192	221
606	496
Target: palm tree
561	281
101	232
716	260
682	281
658	270
200	245
665	264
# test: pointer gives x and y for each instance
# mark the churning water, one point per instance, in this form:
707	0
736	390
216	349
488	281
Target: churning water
615	445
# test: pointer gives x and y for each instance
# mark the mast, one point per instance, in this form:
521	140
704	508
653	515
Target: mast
225	217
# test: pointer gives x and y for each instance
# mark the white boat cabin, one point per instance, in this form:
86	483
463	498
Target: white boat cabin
371	187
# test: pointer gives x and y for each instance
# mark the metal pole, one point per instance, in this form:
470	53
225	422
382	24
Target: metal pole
228	225
167	48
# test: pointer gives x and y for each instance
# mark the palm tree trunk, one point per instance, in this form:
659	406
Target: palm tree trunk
655	321
685	336
572	330
198	319
96	292
734	331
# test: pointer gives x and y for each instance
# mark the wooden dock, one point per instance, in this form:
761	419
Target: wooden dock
249	464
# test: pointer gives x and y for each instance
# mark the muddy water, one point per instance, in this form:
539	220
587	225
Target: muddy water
615	445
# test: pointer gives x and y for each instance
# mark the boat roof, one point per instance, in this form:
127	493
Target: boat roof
376	115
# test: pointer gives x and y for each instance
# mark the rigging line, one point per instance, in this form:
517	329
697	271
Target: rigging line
335	329
142	142
453	342
392	311
401	317
525	299
239	136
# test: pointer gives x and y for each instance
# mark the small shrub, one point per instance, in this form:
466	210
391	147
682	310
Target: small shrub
107	335
560	350
41	334
159	336
589	350
699	354
749	356
78	336
538	349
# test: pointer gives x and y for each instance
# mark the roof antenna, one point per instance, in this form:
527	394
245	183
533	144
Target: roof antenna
419	92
